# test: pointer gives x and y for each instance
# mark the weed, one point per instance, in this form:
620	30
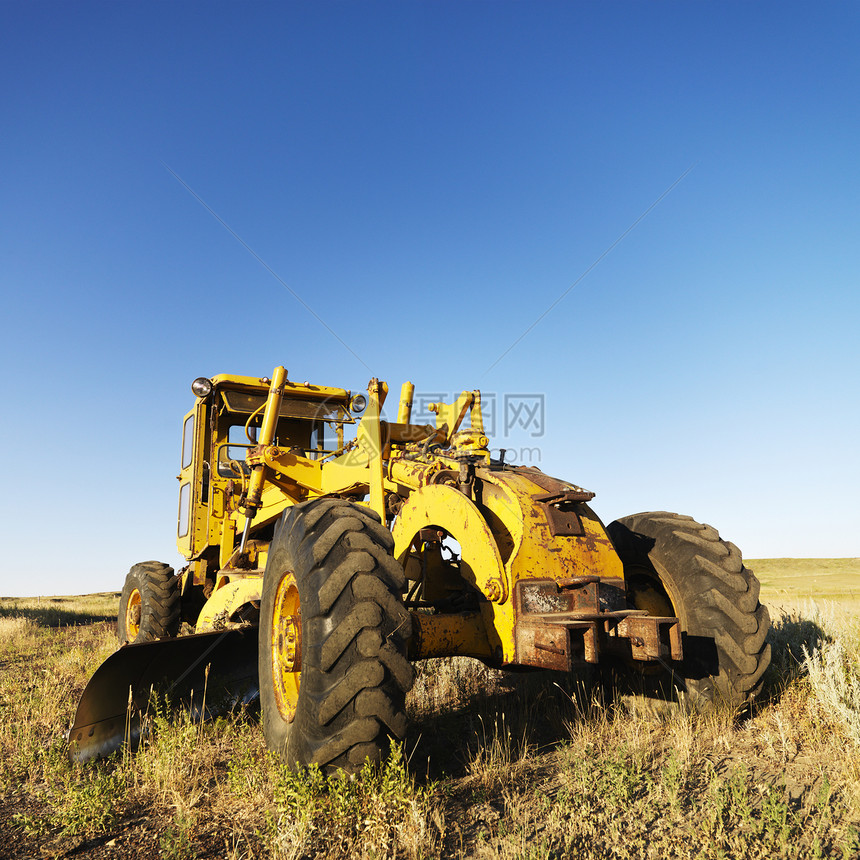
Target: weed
673	778
177	840
76	801
834	673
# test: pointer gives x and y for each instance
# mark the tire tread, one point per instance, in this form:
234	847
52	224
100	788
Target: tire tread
160	601
720	598
354	632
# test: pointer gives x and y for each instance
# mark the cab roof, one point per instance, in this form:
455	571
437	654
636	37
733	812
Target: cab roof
300	390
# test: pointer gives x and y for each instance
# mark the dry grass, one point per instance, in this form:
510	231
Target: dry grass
62	611
496	766
16	629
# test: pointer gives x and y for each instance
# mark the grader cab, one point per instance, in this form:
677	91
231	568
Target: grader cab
328	549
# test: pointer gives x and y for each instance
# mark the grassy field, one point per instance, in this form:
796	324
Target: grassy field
790	583
495	766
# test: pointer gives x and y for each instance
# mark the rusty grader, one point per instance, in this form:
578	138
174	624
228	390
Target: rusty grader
327	549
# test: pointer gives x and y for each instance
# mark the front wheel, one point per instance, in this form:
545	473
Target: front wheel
149	604
674	566
333	634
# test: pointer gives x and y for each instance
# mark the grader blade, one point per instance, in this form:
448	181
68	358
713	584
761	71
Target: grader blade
209	673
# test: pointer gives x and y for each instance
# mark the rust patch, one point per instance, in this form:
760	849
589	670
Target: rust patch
579	594
562	515
649	637
570	622
541	597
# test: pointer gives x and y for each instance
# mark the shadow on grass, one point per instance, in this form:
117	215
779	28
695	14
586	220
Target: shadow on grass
791	637
517	715
502	719
52	616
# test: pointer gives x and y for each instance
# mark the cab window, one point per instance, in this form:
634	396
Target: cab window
184	510
187	441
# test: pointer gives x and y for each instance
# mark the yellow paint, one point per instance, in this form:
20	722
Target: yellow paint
270	418
404	411
444	635
370	439
227	600
442	473
450	510
286	647
133	615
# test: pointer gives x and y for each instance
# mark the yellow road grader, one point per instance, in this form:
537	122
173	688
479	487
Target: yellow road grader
327	549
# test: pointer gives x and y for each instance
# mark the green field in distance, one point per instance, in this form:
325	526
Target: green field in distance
789	583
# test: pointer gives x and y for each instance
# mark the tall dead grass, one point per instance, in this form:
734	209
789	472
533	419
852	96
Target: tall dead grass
495	766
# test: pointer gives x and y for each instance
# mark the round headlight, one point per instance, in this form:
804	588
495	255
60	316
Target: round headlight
202	386
358	403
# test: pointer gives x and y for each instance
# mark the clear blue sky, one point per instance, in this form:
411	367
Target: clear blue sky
430	177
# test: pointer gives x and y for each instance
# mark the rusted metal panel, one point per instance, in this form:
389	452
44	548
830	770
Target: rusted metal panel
562	517
540	596
583	593
546	647
563	639
649	637
558	646
575	594
584	645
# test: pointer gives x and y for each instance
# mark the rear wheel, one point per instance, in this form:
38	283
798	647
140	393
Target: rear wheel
675	566
149	603
333	633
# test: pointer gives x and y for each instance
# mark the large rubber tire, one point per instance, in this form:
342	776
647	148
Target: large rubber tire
149	604
330	566
674	565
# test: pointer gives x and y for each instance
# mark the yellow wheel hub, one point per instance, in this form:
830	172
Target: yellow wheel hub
133	611
654	603
648	597
286	641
